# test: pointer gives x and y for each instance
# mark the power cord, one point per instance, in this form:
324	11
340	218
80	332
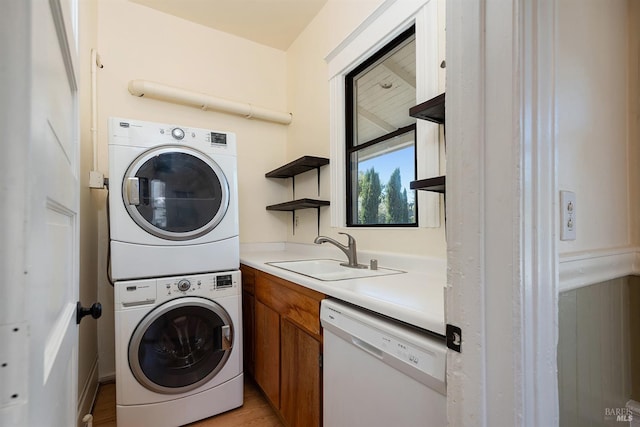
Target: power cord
109	278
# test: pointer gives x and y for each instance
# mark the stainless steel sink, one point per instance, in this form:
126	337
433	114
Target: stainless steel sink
330	269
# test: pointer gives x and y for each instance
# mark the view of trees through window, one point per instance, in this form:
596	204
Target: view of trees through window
384	198
383	204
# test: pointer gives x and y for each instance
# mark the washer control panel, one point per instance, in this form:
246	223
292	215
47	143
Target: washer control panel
177	133
154	291
212	285
184	285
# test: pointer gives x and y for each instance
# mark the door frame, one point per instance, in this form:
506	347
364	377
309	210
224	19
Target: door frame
501	212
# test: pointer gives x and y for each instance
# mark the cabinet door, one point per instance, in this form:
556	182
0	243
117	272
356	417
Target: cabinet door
267	352
248	318
300	394
248	331
248	279
294	302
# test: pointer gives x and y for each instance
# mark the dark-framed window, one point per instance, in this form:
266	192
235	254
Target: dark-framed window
381	137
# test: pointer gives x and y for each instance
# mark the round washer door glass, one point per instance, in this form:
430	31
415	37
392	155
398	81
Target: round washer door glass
181	345
175	193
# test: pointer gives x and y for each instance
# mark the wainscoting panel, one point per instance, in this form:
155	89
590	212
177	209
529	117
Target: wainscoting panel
634	316
594	370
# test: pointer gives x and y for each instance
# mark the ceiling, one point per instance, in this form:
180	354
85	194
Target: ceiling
275	23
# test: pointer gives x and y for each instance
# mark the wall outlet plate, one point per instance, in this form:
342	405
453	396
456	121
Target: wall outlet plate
567	215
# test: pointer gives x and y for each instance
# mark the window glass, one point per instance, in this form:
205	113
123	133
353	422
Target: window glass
383	195
380	141
384	93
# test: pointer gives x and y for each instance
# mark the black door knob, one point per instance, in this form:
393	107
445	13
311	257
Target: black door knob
95	311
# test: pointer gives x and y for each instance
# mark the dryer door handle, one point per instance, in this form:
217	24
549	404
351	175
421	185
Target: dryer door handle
226	337
132	189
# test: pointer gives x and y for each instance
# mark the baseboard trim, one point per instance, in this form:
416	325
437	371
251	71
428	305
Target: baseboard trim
108	378
577	270
88	395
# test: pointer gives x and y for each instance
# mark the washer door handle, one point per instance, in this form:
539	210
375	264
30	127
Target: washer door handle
133	191
226	337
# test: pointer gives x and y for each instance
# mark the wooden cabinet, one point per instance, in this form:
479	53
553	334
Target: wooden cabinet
267	347
300	376
286	345
248	318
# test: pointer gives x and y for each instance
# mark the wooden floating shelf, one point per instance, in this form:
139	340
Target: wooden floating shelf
436	184
431	110
303	164
298	204
290	170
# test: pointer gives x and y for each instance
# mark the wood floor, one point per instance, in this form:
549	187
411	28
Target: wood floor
256	411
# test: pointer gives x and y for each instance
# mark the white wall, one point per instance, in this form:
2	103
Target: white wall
633	23
136	42
308	98
592	122
597	105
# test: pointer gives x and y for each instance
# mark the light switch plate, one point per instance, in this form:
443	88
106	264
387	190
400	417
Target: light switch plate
96	179
567	215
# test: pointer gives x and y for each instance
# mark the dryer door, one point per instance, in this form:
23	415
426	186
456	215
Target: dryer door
181	345
175	193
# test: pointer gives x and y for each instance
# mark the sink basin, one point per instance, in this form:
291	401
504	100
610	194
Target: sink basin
330	269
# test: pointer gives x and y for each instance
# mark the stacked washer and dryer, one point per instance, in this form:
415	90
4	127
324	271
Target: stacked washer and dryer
174	252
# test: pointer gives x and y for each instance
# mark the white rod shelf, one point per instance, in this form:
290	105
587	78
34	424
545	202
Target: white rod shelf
206	102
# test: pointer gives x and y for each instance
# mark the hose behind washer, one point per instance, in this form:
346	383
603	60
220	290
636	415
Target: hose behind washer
108	236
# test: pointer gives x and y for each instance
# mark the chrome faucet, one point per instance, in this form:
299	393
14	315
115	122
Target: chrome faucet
349	250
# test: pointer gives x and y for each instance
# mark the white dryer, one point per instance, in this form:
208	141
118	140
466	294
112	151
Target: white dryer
173	200
178	349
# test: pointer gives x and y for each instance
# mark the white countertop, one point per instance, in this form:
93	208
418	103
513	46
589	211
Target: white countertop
415	297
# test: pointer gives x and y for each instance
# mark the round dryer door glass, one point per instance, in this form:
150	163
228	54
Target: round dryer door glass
181	345
175	193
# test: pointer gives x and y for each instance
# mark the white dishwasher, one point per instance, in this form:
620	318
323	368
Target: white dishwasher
377	372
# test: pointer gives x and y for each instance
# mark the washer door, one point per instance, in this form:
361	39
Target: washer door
175	193
181	345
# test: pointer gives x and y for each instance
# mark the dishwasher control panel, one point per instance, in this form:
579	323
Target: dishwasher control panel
407	352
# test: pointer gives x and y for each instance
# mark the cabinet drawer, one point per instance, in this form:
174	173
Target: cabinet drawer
296	303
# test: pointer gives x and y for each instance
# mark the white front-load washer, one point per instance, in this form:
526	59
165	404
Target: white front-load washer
173	201
178	348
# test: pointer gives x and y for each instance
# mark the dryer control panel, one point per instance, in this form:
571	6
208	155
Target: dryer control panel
153	291
138	133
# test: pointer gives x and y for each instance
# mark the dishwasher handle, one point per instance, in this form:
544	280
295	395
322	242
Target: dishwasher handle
363	345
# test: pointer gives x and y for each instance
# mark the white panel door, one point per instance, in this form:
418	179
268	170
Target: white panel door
39	315
52	243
